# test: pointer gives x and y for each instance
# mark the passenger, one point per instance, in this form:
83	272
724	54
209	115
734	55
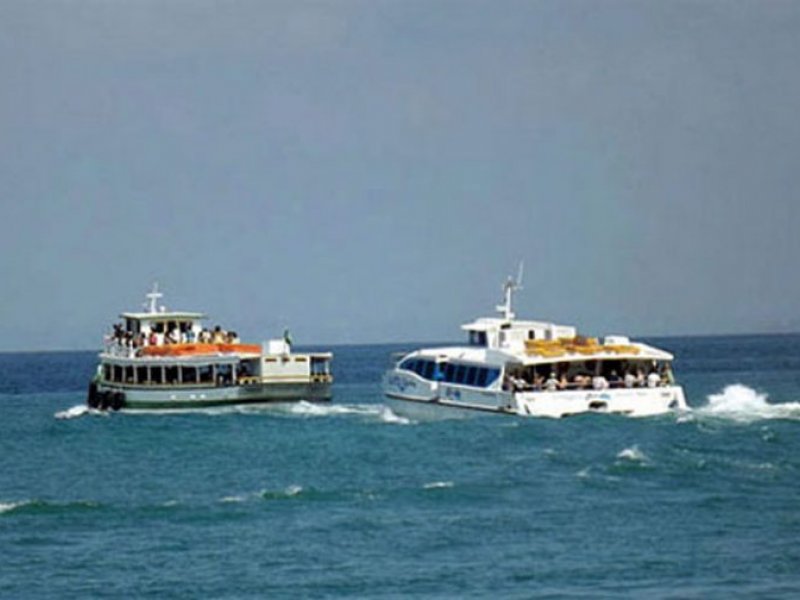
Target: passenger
563	382
630	379
614	380
190	337
640	382
173	337
152	340
538	382
218	337
666	375
653	379
599	382
233	338
551	385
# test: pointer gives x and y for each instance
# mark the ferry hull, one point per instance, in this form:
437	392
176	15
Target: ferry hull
132	398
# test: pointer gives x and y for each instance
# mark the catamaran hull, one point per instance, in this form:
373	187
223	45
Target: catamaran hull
444	402
132	398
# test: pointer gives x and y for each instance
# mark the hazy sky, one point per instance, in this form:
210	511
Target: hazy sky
371	171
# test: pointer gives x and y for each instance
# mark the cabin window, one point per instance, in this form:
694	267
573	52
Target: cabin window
189	375
471	375
480	379
461	373
129	374
491	376
409	365
449	372
429	368
224	375
107	372
319	366
141	375
477	338
118	373
156	375
171	374
205	374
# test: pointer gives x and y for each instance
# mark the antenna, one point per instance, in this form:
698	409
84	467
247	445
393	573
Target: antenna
509	287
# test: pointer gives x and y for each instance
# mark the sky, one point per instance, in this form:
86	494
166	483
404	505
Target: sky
371	171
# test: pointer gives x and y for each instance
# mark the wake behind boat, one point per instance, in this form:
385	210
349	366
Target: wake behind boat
167	359
533	368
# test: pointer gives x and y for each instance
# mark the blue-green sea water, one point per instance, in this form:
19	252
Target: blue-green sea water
348	499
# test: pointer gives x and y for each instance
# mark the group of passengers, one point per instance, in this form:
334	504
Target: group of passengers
127	340
633	377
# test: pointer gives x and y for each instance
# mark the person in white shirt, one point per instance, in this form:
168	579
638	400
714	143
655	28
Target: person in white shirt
599	382
653	379
630	380
551	385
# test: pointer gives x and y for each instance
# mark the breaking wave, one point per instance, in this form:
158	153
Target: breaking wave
740	403
437	485
45	507
633	454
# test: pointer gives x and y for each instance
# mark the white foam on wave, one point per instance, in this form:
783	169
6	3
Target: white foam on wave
9	506
740	403
633	454
233	499
293	490
437	485
77	411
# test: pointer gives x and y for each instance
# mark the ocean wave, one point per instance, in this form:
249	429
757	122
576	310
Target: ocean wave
45	507
437	485
633	454
743	404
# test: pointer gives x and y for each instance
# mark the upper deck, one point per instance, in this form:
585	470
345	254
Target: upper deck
505	339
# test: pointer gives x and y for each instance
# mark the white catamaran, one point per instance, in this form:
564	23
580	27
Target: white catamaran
167	359
533	368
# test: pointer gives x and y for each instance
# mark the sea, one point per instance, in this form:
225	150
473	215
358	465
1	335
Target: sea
349	499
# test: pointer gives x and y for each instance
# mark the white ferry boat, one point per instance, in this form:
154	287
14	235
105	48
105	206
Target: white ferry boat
167	359
533	368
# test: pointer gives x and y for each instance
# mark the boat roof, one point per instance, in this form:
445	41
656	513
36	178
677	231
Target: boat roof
500	357
160	313
172	315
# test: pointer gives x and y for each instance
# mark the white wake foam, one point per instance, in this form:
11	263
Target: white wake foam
376	411
78	410
743	404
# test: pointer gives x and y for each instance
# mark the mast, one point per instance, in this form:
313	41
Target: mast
153	297
509	287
